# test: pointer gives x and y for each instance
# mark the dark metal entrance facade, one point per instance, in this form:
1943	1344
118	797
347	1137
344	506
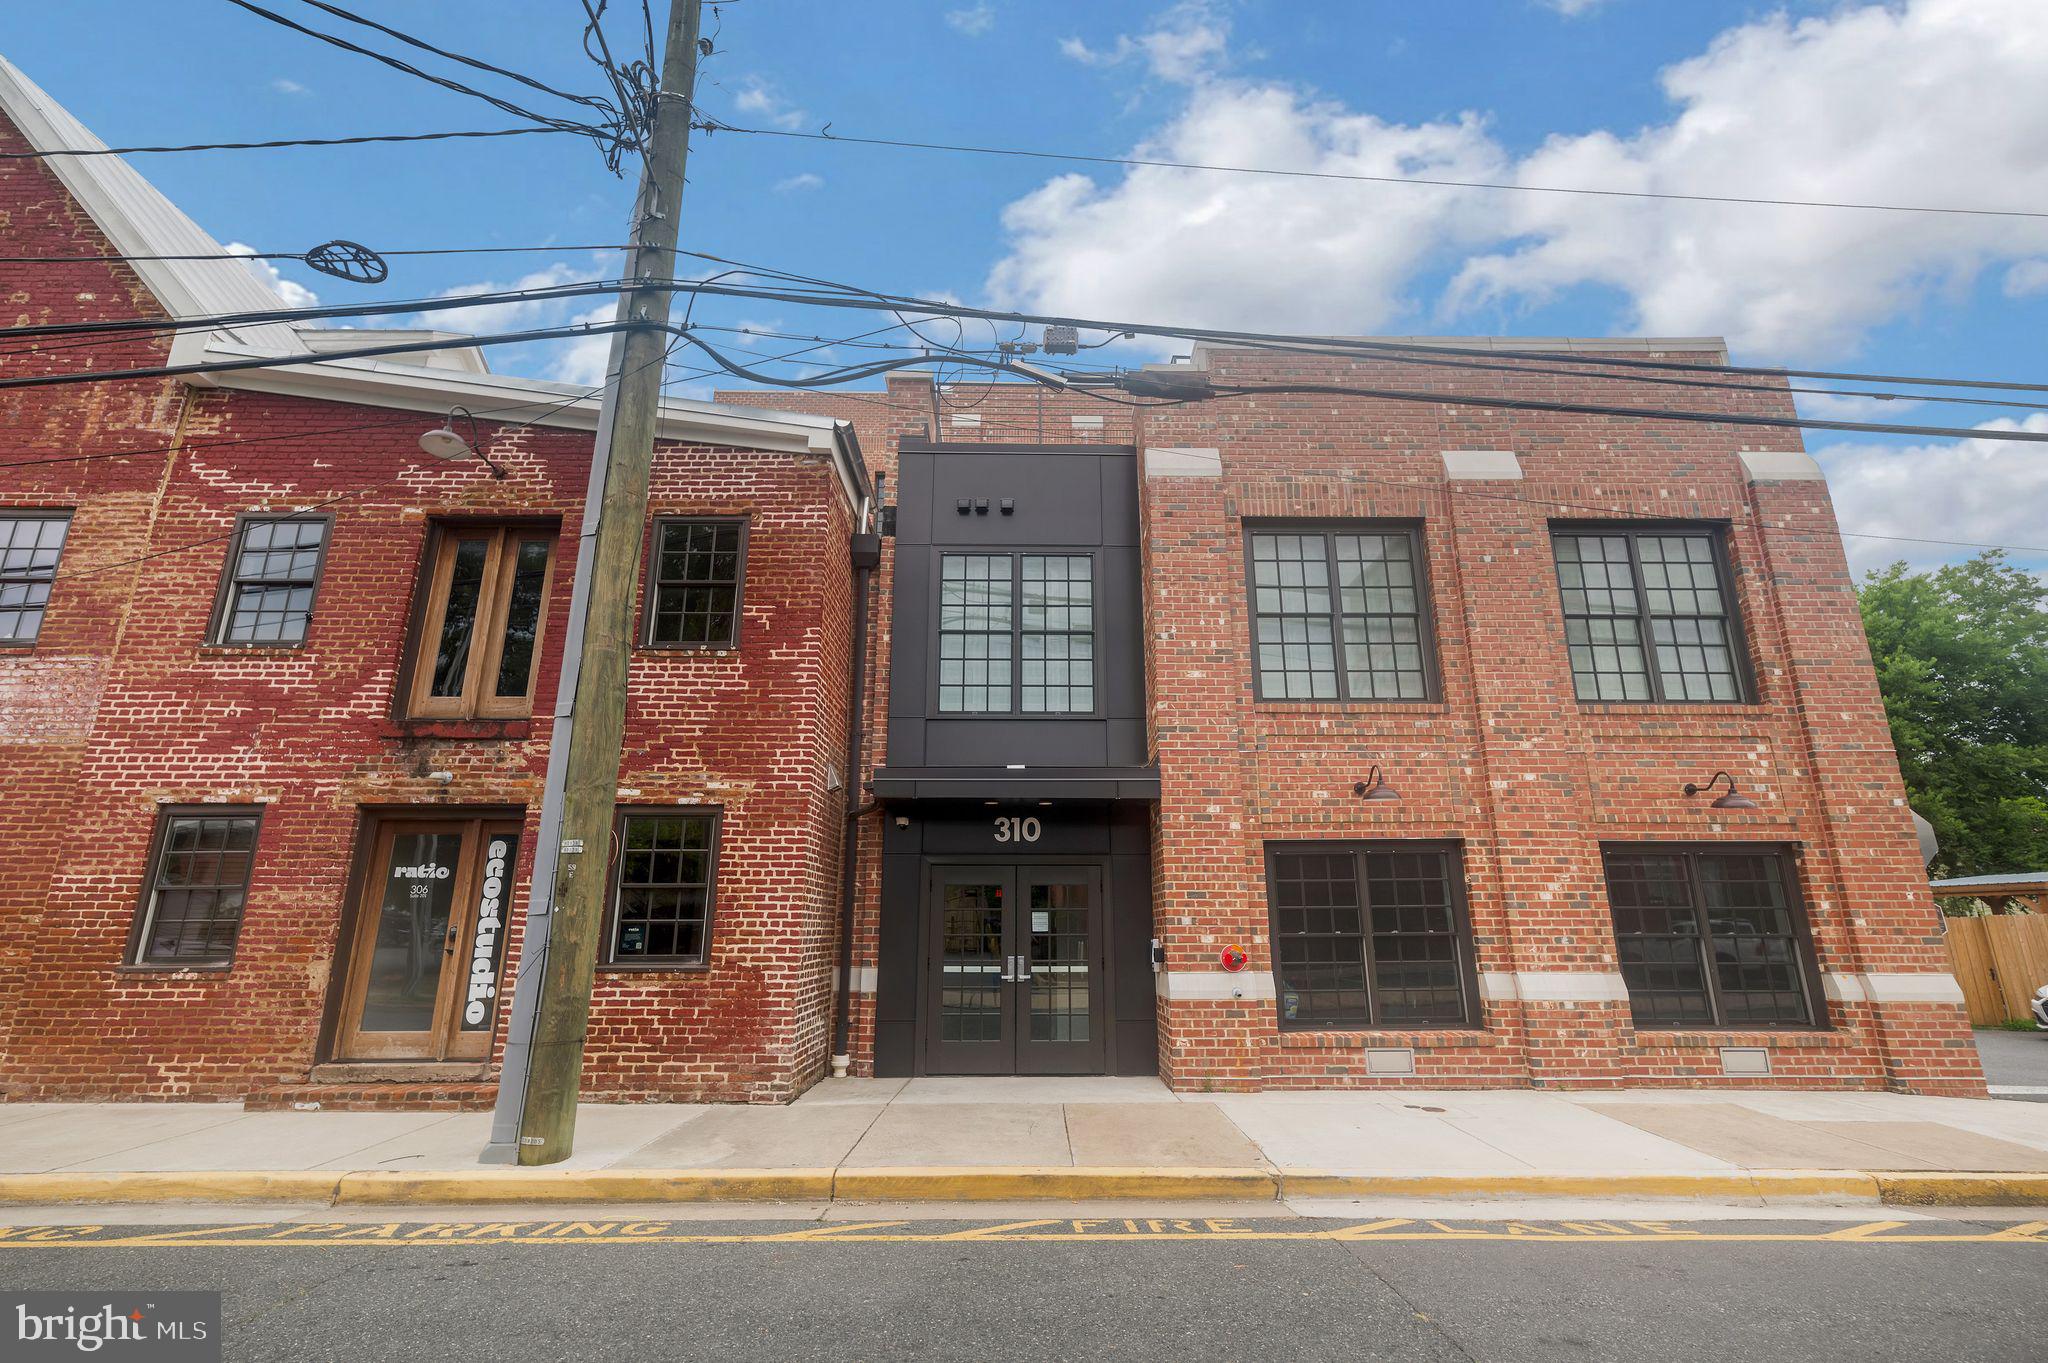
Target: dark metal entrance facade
1002	961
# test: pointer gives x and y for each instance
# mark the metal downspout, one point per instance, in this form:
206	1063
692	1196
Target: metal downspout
867	554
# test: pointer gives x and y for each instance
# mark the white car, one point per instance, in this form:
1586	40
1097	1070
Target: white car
2041	1007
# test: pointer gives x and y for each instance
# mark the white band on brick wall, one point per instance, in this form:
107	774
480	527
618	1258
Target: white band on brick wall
1781	466
1215	984
1891	987
1481	465
1554	986
1170	461
863	979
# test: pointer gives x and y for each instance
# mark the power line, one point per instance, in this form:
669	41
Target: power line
719	126
283	142
480	65
111	258
613	137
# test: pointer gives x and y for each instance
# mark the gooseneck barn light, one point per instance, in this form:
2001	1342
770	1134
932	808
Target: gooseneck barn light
1375	787
445	442
1734	799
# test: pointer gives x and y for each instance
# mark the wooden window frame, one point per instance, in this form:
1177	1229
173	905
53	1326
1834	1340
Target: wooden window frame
610	959
478	698
1716	535
651	594
1690	853
230	582
1465	953
138	931
1329	529
38	513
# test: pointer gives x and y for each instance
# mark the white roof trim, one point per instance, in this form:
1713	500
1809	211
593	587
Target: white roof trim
374	382
139	221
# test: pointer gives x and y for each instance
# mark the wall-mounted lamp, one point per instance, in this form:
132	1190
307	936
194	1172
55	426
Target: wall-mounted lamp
1734	799
445	442
1375	787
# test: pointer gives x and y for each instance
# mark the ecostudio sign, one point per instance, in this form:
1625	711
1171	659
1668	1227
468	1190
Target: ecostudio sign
490	923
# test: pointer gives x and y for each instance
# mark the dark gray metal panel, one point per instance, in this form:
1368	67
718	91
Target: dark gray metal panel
1120	646
1134	1029
913	496
1069	831
1000	742
1055	499
1119	493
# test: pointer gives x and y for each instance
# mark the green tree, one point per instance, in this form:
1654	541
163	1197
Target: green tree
1962	658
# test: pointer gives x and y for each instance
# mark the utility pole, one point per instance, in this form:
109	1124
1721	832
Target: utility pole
535	1116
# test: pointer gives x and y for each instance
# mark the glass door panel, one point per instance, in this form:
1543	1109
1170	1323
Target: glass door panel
967	1016
1059	994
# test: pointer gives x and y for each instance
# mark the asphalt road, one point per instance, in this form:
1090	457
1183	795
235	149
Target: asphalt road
1127	1288
2017	1059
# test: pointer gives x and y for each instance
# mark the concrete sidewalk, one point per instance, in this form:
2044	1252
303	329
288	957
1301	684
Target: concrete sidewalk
969	1138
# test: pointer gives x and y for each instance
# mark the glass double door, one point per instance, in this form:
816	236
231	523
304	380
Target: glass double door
1013	970
429	940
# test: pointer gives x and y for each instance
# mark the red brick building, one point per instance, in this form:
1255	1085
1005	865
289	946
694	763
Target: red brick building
1276	741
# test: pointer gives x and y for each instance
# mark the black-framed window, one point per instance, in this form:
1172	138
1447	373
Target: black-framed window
1339	613
694	584
1016	634
1649	614
662	884
198	883
1712	936
31	543
273	573
1370	935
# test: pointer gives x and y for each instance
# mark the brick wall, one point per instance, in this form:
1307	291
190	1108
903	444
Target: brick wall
123	707
1507	762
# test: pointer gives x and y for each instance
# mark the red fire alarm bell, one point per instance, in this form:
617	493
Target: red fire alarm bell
1234	959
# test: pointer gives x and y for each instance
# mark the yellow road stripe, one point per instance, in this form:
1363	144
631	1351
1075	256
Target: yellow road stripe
1045	1231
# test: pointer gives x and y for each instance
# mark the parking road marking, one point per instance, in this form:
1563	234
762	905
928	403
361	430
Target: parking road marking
274	1235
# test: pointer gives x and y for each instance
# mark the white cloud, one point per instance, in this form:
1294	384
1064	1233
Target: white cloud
1983	491
1203	248
513	315
295	295
759	98
1572	9
1186	43
285	85
1853	407
584	360
797	183
2026	278
972	21
1934	101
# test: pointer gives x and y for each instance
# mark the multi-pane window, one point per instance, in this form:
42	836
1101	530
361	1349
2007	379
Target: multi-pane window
1710	937
1647	615
661	898
1016	634
480	623
1370	935
693	595
1058	634
273	569
1337	614
192	905
977	619
30	545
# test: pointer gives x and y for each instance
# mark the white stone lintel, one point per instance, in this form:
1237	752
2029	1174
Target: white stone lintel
1482	465
1781	466
1183	461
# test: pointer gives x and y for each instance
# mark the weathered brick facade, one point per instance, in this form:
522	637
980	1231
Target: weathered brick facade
121	707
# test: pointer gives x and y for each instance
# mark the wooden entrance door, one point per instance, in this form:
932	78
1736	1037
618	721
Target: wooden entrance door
429	940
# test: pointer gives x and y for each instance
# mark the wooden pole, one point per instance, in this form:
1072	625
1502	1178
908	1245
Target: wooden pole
554	1068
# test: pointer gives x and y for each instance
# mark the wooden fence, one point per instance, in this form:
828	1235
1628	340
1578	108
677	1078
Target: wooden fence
2000	961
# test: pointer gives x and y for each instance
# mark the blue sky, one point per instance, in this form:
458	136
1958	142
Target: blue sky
1922	101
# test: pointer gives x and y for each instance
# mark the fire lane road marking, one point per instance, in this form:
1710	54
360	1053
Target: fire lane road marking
276	1235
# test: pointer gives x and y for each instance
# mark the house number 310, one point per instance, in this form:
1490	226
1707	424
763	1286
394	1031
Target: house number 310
1017	830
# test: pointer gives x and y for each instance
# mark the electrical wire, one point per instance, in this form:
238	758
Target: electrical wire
721	126
473	62
112	258
356	141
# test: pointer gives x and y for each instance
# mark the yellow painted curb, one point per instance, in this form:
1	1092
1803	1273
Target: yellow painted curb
1003	1184
400	1187
1766	1187
1964	1190
310	1185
